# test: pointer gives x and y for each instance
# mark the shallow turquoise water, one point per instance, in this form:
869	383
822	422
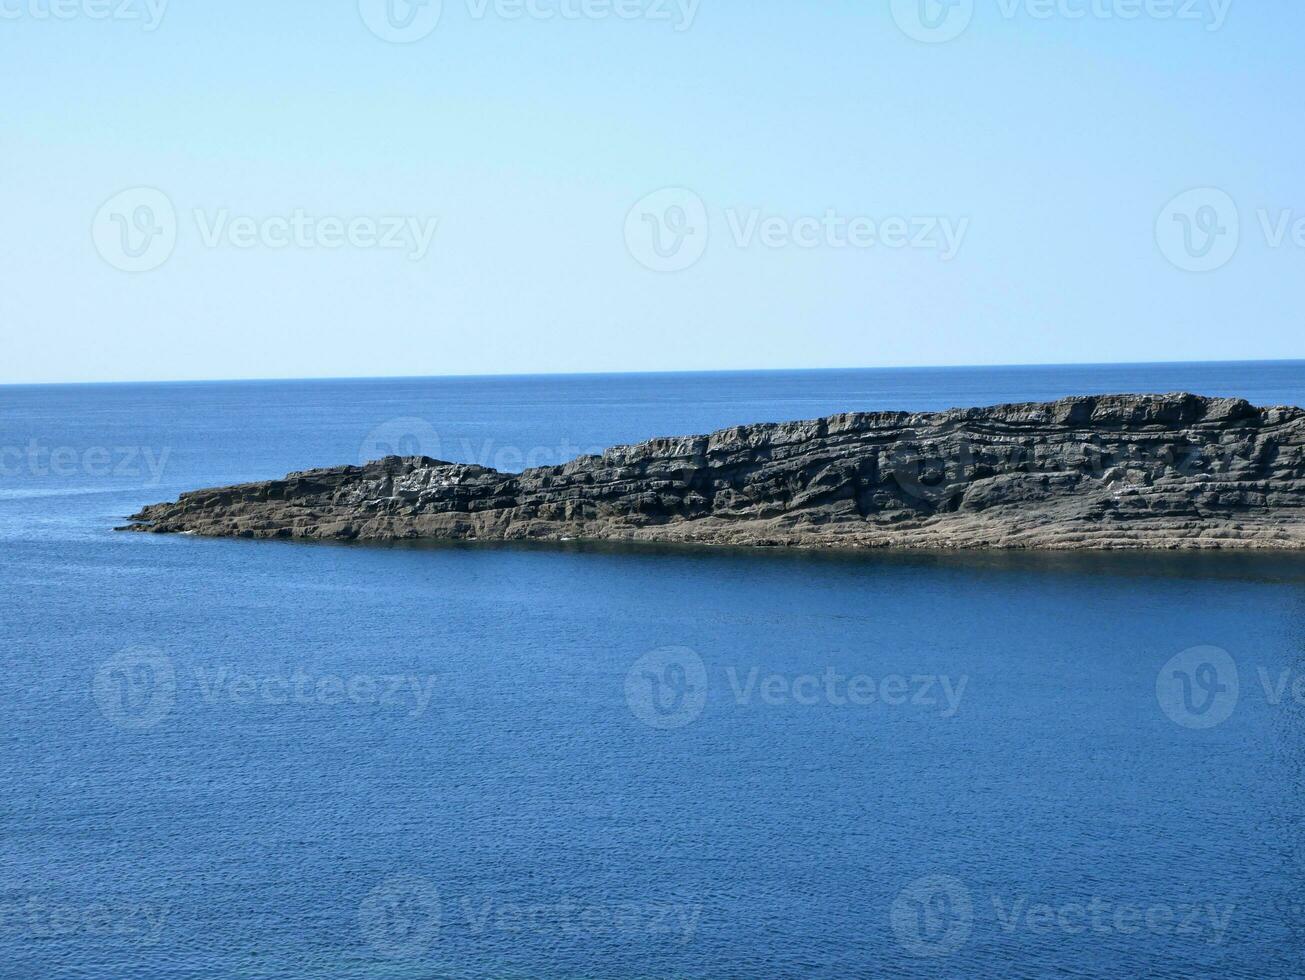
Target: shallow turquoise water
242	759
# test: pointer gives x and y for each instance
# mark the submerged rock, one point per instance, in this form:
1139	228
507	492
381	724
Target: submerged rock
1102	472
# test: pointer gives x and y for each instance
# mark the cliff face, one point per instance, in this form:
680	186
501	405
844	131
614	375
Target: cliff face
1120	471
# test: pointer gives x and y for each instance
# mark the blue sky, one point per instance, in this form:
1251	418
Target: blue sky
840	192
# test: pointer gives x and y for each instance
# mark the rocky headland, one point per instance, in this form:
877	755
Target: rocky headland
1171	471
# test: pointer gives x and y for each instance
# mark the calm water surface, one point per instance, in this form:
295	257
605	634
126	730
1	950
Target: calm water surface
271	760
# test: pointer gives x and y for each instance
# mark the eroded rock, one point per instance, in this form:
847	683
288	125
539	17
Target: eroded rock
1120	471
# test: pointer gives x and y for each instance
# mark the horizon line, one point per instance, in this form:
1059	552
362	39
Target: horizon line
662	373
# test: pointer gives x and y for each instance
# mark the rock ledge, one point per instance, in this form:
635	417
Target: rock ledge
1173	471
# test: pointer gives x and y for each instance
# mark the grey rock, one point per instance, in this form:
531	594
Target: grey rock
1173	471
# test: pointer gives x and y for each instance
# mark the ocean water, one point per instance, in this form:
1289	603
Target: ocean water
276	760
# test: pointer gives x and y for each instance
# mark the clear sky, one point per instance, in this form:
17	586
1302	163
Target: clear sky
843	193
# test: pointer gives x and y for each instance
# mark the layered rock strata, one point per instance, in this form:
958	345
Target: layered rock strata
1171	471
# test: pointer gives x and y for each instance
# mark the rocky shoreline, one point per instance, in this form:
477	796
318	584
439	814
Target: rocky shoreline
1173	471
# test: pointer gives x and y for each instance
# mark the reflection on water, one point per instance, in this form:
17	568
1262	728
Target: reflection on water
1249	565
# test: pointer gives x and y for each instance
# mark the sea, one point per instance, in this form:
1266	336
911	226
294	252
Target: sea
257	760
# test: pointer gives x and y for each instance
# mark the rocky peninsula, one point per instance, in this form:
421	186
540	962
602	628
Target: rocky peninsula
1175	471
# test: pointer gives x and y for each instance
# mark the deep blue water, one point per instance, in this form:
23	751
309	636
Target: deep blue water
267	760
